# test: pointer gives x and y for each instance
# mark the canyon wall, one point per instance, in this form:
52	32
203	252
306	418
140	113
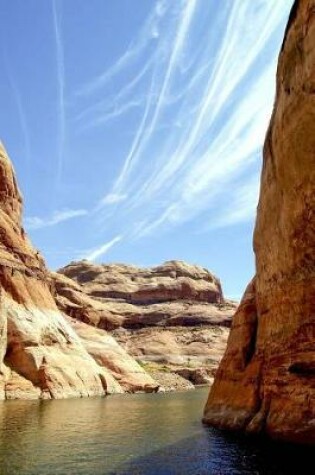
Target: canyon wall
41	354
111	296
168	324
172	318
266	380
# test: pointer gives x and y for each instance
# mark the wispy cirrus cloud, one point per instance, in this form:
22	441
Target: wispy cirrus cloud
35	222
241	206
203	80
20	108
99	251
113	198
147	34
61	87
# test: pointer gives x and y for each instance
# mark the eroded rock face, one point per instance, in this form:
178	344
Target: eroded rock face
171	281
176	347
168	318
266	381
37	345
41	355
108	354
115	295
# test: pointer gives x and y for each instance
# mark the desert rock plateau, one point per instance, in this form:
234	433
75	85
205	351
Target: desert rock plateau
173	318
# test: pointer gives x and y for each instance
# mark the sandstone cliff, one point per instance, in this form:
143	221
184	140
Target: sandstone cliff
266	381
41	355
172	318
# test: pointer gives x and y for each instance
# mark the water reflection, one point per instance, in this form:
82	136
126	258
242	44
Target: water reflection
218	453
140	434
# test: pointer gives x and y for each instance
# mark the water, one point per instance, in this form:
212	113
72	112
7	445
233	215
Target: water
130	434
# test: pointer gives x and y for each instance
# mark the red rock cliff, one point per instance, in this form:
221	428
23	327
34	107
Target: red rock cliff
266	381
41	353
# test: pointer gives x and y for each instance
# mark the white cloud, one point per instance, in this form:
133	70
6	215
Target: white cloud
34	222
61	85
205	92
136	48
144	134
145	228
114	112
93	254
113	198
20	109
242	205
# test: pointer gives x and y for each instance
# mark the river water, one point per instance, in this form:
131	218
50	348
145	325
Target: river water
130	434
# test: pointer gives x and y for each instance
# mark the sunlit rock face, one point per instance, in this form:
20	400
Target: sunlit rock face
117	295
266	381
41	355
172	318
125	371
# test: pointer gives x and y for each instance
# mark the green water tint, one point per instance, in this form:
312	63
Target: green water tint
128	434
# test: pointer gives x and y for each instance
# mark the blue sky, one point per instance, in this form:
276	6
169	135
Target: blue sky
136	126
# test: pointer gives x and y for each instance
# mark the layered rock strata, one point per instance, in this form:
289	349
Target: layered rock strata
266	381
122	296
169	318
40	353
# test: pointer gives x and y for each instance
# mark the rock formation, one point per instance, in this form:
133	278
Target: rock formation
41	355
173	318
266	381
116	295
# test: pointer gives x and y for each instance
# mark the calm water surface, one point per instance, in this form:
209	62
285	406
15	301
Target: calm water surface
130	434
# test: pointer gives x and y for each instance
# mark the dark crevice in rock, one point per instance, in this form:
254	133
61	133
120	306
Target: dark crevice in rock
251	347
303	368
